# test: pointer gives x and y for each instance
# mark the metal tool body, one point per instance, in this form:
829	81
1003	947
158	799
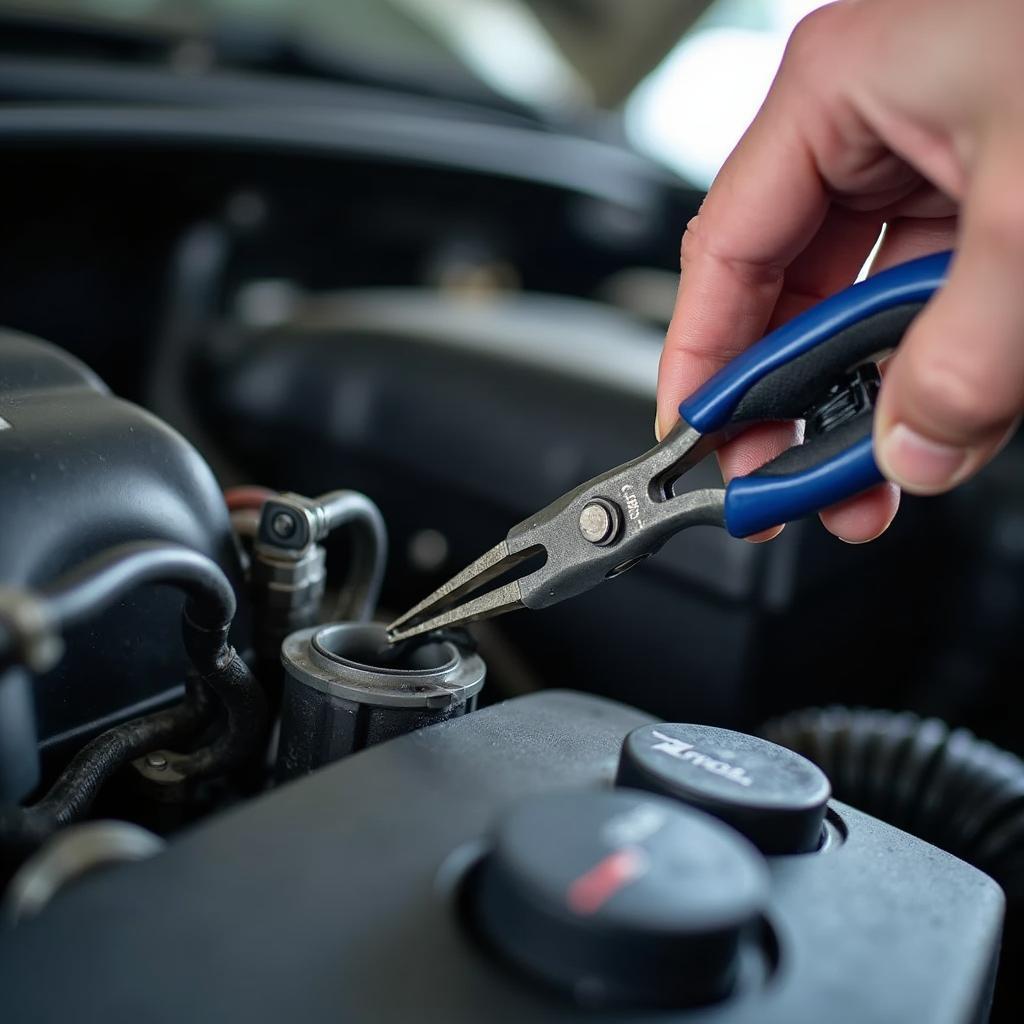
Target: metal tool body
799	371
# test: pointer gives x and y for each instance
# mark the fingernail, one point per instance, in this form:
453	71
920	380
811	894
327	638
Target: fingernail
765	535
657	428
919	464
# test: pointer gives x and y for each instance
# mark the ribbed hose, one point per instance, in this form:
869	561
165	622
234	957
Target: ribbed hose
945	786
71	796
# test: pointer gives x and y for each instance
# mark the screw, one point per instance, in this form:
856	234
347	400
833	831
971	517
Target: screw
156	761
599	521
283	525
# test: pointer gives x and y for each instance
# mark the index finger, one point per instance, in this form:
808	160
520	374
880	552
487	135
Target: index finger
764	207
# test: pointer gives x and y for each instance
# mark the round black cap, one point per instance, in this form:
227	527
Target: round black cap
620	897
772	795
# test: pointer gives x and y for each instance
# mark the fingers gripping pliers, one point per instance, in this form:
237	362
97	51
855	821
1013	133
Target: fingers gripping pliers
818	367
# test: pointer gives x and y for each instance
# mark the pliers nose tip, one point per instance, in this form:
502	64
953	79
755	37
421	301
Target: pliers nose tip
460	600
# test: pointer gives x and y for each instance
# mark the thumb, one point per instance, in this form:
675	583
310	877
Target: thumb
955	390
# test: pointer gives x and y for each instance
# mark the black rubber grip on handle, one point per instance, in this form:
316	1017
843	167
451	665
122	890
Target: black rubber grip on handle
794	388
818	449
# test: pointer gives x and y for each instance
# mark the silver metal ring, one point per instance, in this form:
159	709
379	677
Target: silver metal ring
338	660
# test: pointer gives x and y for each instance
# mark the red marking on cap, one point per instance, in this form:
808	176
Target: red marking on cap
592	890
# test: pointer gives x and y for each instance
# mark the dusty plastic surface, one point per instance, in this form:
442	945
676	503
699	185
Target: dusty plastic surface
336	898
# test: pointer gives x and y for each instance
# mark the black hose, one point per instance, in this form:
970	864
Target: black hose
943	785
70	797
99	582
220	668
217	667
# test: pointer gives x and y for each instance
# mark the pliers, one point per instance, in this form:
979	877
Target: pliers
817	367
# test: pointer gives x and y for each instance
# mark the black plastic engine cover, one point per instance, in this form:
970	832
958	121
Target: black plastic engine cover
337	898
81	470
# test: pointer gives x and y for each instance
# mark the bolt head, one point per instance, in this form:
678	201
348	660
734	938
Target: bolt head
598	522
283	525
156	761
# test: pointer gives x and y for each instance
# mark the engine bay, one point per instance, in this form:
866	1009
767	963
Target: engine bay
277	357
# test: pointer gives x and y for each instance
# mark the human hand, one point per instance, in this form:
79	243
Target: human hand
902	113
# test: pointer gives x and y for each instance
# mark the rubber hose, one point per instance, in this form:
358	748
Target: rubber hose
70	797
220	668
943	785
100	581
216	665
207	617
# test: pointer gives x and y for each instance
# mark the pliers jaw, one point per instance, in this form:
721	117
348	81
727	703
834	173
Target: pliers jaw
593	533
463	598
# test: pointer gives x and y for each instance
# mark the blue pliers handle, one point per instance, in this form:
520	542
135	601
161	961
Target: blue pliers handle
782	376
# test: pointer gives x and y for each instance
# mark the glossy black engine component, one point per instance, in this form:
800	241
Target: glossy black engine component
83	471
347	896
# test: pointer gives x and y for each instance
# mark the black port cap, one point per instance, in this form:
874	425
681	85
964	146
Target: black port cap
619	897
775	797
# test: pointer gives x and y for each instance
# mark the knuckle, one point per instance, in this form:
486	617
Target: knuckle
815	37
